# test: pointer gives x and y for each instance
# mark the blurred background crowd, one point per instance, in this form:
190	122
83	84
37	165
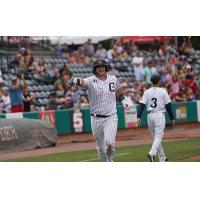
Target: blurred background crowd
34	80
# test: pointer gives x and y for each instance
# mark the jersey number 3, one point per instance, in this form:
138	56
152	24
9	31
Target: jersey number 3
154	105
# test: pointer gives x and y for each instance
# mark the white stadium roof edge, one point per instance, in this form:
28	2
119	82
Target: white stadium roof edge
72	39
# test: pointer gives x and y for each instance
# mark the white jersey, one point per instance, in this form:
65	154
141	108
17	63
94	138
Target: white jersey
102	94
155	99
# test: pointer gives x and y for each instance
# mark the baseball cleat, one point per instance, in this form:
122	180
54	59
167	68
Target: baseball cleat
151	158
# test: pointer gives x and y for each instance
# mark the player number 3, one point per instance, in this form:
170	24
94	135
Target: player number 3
154	105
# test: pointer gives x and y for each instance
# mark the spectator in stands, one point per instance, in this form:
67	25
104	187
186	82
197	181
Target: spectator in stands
16	90
189	82
58	51
72	58
68	103
173	58
123	54
63	80
138	66
181	96
169	75
120	48
16	62
52	103
135	92
82	102
72	91
32	108
175	85
28	58
128	95
88	48
22	51
54	74
110	54
5	104
28	99
113	70
65	50
161	51
189	94
65	69
130	47
81	57
186	47
142	87
113	53
39	67
188	69
60	88
149	70
100	52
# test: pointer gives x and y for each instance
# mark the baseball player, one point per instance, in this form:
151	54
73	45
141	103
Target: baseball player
157	101
102	89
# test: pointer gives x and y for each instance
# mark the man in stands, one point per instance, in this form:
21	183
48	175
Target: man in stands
88	48
68	103
138	66
52	102
63	80
100	52
16	97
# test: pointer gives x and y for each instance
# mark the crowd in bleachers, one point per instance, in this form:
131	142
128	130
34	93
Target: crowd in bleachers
45	82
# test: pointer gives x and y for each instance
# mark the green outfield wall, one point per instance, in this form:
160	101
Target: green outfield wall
73	121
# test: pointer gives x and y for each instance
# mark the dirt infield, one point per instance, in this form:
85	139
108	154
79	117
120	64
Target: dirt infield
125	137
193	158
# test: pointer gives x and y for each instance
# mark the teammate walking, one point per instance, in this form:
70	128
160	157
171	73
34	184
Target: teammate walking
102	89
157	101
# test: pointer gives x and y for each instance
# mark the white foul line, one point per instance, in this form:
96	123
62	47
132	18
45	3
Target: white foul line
122	154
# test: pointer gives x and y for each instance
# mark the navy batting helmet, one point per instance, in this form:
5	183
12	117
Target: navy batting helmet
155	78
99	62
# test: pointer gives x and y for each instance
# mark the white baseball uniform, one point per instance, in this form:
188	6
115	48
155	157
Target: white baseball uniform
155	99
102	98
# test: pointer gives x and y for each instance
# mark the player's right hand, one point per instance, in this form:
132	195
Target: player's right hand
77	81
173	123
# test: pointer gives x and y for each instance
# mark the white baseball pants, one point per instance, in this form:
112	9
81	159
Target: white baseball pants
104	132
156	124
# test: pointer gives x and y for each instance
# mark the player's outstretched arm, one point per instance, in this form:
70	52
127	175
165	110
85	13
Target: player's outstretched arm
139	112
78	81
171	115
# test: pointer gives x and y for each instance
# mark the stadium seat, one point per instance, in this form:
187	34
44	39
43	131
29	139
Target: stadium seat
34	88
50	87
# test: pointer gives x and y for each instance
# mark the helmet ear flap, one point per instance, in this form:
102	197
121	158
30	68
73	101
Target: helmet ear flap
94	70
106	68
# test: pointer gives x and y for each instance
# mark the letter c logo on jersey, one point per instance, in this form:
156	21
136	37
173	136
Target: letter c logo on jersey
112	87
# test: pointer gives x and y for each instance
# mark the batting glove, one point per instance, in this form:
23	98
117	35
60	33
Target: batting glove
77	81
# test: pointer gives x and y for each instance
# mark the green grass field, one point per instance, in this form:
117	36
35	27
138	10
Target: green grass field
175	151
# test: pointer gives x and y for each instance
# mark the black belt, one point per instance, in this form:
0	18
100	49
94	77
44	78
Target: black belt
101	116
152	112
